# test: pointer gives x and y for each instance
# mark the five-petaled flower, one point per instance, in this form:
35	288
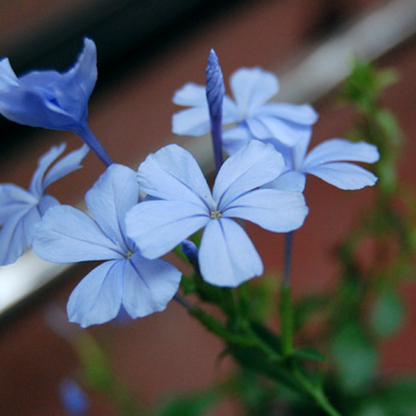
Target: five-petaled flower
21	210
328	161
126	279
182	203
53	100
252	88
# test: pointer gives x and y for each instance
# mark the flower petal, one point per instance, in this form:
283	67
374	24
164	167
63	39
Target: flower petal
12	238
66	234
276	211
69	163
148	285
227	257
299	114
84	73
173	173
46	202
338	150
159	226
191	95
36	185
97	298
344	175
252	87
191	122
235	138
115	192
290	181
14	199
253	166
7	76
286	132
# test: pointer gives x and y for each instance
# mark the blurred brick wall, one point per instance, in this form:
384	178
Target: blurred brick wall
169	352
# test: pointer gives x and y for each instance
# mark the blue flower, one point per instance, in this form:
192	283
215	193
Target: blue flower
252	88
53	100
328	161
74	399
184	204
126	279
21	210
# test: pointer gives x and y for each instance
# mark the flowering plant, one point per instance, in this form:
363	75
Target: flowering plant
138	217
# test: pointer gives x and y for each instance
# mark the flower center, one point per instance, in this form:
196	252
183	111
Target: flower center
216	215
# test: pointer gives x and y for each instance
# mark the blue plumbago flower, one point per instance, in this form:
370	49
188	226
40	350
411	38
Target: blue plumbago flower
126	279
53	100
252	88
328	161
227	256
21	210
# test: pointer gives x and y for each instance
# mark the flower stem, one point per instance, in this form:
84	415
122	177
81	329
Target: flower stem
316	393
183	302
94	144
288	258
286	306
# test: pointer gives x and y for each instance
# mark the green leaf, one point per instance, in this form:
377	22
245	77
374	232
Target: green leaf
387	314
354	356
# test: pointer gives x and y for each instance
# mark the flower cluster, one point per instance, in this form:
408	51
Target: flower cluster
261	181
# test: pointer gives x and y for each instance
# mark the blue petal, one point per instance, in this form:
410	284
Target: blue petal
14	199
338	150
290	181
69	163
159	226
12	238
236	138
36	185
84	74
29	222
66	234
97	298
253	166
251	88
115	192
227	257
344	175
46	202
230	112
276	211
299	114
173	173
191	95
149	285
7	76
191	122
31	107
286	132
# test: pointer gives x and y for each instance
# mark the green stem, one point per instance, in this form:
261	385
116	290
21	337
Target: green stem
316	393
286	320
